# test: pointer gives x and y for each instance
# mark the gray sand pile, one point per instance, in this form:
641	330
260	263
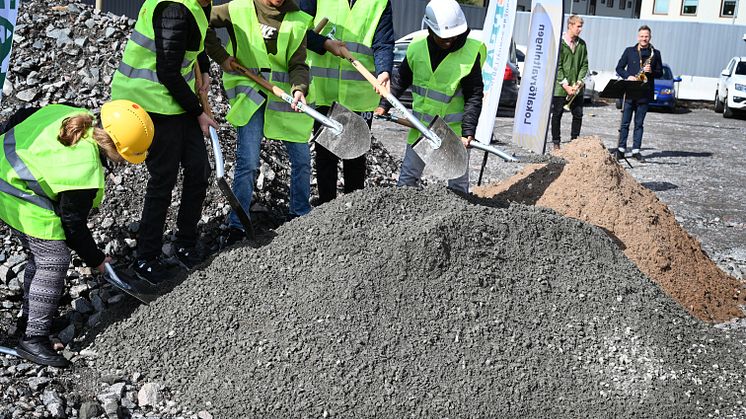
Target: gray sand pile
407	303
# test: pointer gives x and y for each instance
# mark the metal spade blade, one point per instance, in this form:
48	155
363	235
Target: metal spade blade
354	139
448	161
141	290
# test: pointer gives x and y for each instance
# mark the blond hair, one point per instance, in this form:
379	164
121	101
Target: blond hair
573	20
76	127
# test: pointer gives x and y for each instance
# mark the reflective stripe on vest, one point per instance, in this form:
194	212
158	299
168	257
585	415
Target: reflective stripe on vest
35	167
439	92
280	122
136	78
335	79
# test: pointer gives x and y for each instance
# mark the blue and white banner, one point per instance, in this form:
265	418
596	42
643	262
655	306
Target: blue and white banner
497	32
537	83
8	15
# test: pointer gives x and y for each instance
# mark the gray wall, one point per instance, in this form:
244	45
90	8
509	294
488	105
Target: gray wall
694	49
408	15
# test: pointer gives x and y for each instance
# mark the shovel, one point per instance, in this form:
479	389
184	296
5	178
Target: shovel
220	166
473	144
443	152
344	133
138	288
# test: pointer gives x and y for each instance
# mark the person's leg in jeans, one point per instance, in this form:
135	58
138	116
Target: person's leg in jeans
624	130
300	178
196	166
642	110
354	170
577	116
246	167
461	183
411	168
557	111
163	166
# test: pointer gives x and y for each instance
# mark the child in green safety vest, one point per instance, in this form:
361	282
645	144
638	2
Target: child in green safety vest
269	37
444	70
51	175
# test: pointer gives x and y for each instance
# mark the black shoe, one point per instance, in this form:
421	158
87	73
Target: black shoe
638	157
235	235
188	257
154	270
619	155
58	324
39	351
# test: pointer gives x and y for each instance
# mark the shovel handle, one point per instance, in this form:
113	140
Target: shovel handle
313	113
320	26
202	97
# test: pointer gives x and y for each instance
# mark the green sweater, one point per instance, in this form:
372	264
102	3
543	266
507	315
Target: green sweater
573	66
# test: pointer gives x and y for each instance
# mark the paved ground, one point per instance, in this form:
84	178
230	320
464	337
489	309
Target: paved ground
695	164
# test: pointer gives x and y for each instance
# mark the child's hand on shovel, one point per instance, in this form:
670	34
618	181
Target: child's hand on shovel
467	140
383	80
335	47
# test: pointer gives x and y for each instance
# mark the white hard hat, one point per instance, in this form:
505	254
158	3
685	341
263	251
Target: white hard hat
445	18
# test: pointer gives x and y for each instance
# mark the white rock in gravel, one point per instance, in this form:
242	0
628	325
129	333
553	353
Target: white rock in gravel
149	395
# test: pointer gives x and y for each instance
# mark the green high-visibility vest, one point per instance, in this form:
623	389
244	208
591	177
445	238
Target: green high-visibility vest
439	93
136	78
35	167
281	122
335	79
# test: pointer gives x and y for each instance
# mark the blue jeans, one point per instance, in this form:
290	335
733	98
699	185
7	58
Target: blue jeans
247	169
412	167
640	108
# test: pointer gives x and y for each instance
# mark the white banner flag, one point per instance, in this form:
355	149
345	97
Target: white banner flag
497	32
8	15
537	84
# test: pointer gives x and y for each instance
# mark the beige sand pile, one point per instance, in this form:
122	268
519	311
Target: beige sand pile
593	188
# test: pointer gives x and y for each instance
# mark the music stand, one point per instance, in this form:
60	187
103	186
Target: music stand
625	89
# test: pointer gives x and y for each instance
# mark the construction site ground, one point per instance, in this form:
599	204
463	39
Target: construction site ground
694	163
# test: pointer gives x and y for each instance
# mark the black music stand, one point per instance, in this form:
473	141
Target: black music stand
625	89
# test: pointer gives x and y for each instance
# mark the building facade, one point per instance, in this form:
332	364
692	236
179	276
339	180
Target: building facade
608	8
704	11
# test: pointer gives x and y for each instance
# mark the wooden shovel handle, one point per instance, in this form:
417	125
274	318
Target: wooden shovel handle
202	97
320	26
258	79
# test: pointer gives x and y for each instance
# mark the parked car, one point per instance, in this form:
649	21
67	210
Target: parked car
590	94
520	55
730	94
511	77
664	91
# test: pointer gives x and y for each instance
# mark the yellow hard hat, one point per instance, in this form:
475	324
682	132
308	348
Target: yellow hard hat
130	127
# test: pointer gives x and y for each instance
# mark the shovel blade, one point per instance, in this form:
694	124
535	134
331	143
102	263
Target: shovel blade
141	290
448	161
353	141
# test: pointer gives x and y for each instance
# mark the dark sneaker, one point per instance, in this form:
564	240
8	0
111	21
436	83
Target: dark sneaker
188	257
151	270
638	157
235	235
555	147
619	155
39	351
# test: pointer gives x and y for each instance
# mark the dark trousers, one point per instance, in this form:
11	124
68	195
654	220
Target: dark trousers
178	142
353	170
640	108
576	108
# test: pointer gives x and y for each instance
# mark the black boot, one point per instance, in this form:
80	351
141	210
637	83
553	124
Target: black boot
38	349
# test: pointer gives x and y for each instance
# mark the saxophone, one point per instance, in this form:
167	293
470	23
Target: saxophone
641	75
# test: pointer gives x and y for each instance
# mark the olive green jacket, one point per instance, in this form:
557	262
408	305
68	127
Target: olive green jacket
573	66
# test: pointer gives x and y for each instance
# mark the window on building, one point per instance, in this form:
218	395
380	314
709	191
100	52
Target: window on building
728	8
610	3
660	7
689	7
622	4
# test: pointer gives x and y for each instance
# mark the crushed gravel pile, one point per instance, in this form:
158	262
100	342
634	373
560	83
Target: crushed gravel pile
593	188
399	302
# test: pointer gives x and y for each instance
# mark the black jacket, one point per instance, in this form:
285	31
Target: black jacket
472	85
629	65
72	207
176	31
383	39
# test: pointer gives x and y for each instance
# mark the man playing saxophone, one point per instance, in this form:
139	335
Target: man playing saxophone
639	62
568	89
